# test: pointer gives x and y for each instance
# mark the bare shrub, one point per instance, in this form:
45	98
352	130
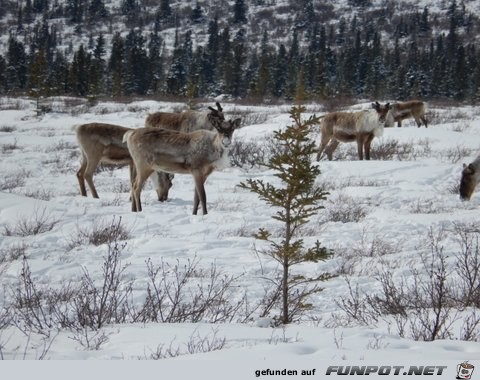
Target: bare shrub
251	153
468	263
90	339
196	344
108	302
39	222
374	245
355	307
390	149
13	180
13	253
60	146
39	193
345	209
7	128
427	206
457	154
30	312
98	233
9	147
185	293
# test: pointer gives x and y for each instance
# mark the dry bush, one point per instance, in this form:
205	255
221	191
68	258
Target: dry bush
41	194
37	223
9	147
98	233
97	304
186	293
11	181
7	128
457	154
196	344
60	146
427	302
345	209
252	153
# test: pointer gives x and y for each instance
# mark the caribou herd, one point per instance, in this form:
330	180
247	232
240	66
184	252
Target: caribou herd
196	143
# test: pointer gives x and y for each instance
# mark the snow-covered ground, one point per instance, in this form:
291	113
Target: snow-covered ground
398	201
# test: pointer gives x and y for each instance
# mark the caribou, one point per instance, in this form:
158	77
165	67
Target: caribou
361	126
470	179
186	121
198	153
102	143
411	108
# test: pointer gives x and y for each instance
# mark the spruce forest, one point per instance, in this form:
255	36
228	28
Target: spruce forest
255	49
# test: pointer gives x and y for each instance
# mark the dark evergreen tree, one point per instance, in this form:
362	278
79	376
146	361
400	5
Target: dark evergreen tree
225	61
136	66
239	12
280	69
38	75
197	14
116	64
239	47
424	26
3	75
263	82
131	9
97	11
75	10
294	61
155	62
97	67
211	54
79	72
17	64
58	76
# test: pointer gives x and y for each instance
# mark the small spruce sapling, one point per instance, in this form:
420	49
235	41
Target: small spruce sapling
296	201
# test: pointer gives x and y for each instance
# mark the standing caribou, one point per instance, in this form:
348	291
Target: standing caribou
411	108
102	143
470	179
186	121
198	153
361	126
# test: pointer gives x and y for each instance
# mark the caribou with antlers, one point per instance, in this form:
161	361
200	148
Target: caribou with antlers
198	153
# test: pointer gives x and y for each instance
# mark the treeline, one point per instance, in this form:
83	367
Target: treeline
320	60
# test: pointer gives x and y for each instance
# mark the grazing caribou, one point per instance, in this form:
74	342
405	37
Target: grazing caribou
198	153
186	121
361	126
470	179
102	143
412	108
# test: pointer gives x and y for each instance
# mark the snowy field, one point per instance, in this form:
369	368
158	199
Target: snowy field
381	216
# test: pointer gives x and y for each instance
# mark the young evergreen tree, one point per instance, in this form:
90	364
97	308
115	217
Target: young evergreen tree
295	201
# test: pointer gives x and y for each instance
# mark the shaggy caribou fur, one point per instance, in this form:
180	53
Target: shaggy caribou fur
186	121
198	153
470	179
360	126
102	143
